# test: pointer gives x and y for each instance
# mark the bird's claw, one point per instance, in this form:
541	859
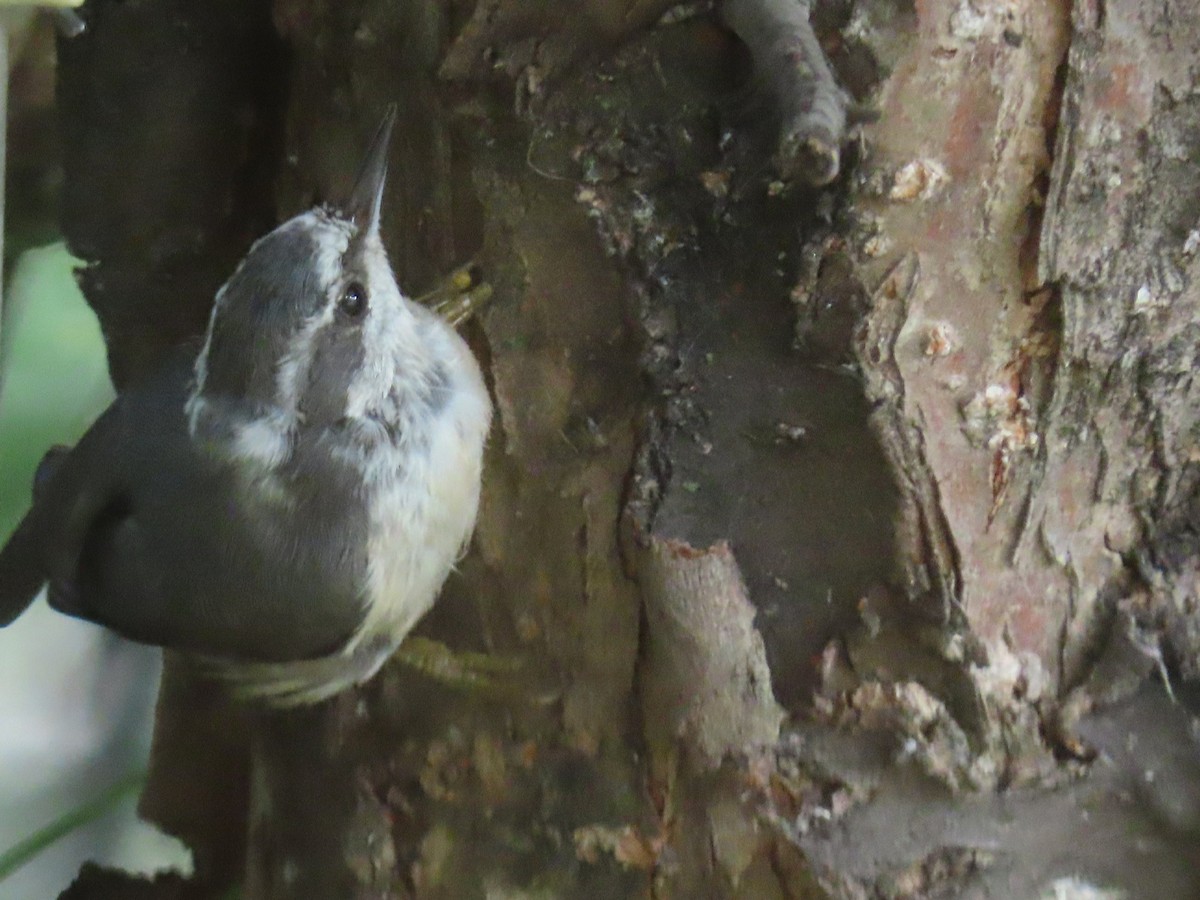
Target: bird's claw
460	295
466	669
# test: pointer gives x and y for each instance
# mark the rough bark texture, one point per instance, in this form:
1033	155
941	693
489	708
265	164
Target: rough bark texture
836	534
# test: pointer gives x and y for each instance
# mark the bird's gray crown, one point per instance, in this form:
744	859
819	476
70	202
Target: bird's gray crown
279	292
311	331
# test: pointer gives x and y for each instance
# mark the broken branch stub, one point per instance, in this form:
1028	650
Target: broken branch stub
706	677
789	60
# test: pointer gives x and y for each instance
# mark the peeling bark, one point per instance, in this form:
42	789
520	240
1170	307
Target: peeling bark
960	357
1124	397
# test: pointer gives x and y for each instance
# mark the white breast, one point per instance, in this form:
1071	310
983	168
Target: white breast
423	516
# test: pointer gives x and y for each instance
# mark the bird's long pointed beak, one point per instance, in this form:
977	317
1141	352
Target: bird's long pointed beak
367	195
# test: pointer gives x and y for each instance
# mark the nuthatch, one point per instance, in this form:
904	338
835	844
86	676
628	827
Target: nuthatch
283	504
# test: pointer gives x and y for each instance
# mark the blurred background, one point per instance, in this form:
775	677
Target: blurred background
76	702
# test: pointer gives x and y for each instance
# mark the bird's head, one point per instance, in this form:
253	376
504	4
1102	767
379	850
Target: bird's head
311	330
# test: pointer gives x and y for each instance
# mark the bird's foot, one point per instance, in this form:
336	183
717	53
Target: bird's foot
467	670
459	296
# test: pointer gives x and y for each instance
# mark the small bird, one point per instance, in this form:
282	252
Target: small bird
284	502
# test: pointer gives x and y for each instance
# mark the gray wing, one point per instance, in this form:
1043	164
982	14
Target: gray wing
141	533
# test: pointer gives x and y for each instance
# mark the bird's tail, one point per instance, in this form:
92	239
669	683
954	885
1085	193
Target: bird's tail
22	566
22	572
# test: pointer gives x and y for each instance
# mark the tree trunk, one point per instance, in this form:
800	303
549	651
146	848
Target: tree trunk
840	537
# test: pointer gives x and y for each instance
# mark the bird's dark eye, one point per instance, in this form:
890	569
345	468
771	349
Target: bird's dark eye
354	300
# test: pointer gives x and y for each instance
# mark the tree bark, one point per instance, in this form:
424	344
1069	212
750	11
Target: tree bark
843	536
